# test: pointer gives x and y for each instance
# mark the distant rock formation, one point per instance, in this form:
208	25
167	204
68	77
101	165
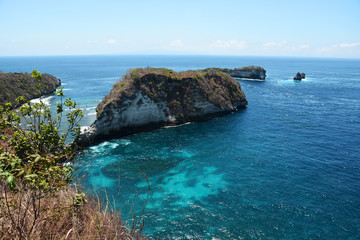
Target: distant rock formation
299	76
148	98
251	72
13	85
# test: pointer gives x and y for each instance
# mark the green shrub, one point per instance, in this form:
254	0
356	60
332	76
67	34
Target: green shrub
36	201
34	155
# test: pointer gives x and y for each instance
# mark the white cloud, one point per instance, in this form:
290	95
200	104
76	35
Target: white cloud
304	46
346	45
231	44
111	41
284	46
325	49
339	46
176	43
349	45
275	44
269	44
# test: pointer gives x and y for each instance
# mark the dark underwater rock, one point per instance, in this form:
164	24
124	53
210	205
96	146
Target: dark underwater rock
129	168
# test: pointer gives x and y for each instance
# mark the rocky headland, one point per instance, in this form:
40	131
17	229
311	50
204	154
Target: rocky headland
148	98
251	72
13	85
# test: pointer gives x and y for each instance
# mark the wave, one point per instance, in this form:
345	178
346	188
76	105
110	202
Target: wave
174	126
104	146
45	100
125	142
83	128
249	79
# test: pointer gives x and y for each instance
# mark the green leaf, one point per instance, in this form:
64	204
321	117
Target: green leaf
10	181
31	176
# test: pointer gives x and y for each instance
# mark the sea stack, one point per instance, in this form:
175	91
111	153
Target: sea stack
149	98
299	76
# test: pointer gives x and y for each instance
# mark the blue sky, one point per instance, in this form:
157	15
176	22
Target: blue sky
315	28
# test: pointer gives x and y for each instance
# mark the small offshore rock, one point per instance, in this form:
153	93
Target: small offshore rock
299	76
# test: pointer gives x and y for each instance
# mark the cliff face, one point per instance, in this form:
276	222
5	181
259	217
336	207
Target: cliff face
150	98
13	85
252	72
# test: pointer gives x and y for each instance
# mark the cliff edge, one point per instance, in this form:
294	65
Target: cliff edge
13	85
148	98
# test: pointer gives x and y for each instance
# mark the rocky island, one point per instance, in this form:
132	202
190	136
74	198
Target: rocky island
299	76
13	85
148	98
251	72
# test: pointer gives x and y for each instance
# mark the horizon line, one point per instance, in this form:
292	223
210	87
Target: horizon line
167	54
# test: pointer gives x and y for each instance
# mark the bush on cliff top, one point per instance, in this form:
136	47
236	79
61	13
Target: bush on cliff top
177	89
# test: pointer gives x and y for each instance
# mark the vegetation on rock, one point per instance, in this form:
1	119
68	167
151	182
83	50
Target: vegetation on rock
13	85
252	67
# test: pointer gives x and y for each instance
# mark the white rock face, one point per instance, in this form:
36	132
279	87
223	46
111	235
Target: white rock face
204	106
139	112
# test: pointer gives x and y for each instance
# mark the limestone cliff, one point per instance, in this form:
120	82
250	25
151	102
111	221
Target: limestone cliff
251	72
13	85
150	98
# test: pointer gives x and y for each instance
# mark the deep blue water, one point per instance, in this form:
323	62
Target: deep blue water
286	167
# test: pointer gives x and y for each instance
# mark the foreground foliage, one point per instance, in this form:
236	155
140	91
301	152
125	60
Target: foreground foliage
36	201
33	153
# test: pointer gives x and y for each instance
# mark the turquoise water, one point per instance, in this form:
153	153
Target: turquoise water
286	167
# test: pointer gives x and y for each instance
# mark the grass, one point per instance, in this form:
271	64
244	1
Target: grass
25	215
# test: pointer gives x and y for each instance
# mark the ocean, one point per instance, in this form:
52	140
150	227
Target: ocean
285	167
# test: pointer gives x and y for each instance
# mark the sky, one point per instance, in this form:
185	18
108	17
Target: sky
306	28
